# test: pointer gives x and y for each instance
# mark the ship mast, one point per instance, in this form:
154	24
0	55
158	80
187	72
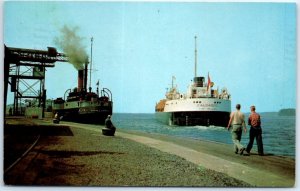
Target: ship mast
91	64
195	56
173	82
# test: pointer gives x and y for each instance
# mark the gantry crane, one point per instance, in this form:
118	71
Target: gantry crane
24	71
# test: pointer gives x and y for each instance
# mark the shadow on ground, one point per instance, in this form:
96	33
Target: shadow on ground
43	130
64	154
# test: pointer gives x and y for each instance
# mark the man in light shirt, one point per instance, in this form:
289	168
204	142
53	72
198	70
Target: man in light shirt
237	121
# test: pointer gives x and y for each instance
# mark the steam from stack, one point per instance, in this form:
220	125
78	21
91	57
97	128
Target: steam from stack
72	46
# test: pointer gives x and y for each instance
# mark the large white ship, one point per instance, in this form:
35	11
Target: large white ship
200	105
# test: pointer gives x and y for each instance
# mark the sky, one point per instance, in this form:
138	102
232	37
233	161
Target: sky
249	48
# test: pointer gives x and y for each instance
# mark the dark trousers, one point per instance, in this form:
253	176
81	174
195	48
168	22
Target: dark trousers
257	134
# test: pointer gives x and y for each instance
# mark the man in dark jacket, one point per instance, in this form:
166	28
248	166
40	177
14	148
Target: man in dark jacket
255	132
108	123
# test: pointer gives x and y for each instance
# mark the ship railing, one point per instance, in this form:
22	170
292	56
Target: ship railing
68	90
106	92
224	96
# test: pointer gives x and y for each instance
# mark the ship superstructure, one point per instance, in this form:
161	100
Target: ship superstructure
84	106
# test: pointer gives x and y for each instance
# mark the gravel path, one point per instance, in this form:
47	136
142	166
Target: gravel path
77	157
277	171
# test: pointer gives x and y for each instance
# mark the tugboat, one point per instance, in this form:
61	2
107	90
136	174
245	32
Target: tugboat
201	105
82	105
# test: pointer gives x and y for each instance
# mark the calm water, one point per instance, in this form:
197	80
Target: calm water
278	131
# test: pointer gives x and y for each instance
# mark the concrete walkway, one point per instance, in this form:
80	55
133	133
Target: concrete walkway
233	169
260	177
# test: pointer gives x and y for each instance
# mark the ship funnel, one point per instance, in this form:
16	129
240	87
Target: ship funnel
199	81
80	80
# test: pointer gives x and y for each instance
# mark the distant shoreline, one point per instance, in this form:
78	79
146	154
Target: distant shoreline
287	112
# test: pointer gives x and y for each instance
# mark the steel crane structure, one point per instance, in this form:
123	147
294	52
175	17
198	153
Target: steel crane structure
24	71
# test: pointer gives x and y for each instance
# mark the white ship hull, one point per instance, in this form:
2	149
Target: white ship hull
196	111
198	104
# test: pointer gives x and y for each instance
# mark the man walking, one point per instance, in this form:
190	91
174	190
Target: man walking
255	132
237	121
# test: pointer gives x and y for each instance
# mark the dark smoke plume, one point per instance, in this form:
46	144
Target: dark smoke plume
72	46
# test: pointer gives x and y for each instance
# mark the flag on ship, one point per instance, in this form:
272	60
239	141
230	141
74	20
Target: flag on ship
208	83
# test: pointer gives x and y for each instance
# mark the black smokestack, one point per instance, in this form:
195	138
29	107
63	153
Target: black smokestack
72	46
80	80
